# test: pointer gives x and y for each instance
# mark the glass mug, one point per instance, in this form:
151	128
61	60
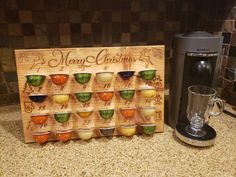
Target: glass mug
201	102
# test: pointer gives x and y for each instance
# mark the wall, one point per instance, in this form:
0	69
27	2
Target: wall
71	23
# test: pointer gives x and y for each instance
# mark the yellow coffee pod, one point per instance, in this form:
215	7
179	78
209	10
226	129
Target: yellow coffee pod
127	130
147	111
61	98
148	92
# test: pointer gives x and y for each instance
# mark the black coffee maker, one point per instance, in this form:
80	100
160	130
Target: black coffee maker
196	61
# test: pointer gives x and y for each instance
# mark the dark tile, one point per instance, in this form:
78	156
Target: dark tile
42	41
97	28
75	28
12	16
86	16
30	42
10	76
3	29
28	29
38	17
107	28
3	89
2	16
54	4
227	37
116	26
13	87
16	42
232	51
11	4
106	16
54	40
97	37
106	39
125	27
116	37
1	77
53	29
9	99
86	40
75	38
4	42
74	16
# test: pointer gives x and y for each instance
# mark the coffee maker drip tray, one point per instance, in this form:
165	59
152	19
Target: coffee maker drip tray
207	140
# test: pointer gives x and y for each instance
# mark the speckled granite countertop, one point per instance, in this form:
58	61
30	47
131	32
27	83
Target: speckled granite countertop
160	155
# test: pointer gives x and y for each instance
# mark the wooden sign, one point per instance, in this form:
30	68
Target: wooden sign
72	93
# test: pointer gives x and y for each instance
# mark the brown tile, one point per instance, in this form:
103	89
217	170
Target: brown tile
42	41
75	38
75	28
74	16
135	6
7	59
10	76
86	40
40	29
16	42
86	28
14	29
134	27
64	29
11	4
172	26
4	42
228	25
30	41
97	38
13	87
160	35
3	89
25	16
97	17
9	99
65	40
38	17
125	37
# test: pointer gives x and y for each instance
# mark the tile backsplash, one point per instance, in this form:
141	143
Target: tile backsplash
79	23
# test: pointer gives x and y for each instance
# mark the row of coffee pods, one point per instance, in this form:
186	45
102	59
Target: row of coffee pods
85	96
37	80
86	134
106	114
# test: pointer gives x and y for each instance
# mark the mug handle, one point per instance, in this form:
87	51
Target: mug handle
220	105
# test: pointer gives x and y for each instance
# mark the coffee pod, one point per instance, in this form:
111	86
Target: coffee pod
127	94
82	78
127	113
148	92
61	98
83	96
107	131
127	130
104	77
148	129
125	75
35	80
41	137
63	135
105	95
62	117
106	113
147	111
85	134
39	119
59	79
147	75
85	113
37	98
